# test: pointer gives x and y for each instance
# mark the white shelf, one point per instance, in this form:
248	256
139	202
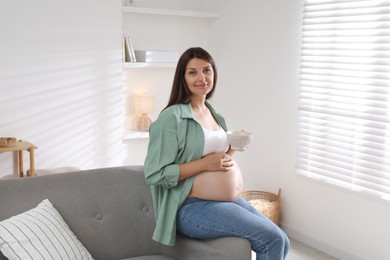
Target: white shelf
132	65
134	134
169	12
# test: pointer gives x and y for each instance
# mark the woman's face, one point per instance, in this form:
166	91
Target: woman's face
199	77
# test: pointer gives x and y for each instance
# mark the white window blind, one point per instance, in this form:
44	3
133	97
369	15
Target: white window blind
344	106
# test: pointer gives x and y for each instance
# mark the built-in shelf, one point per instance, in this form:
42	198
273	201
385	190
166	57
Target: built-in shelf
134	134
132	65
169	12
166	12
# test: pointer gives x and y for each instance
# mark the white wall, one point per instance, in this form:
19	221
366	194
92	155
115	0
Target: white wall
257	44
61	82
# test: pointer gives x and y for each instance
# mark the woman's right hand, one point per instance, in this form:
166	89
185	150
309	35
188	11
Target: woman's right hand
218	162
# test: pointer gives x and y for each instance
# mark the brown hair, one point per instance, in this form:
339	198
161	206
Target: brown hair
180	93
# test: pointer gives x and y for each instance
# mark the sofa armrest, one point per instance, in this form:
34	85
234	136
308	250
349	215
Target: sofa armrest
225	248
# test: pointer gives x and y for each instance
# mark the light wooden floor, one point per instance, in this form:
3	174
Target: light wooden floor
301	251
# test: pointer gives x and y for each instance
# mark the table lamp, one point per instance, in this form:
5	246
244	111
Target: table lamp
144	105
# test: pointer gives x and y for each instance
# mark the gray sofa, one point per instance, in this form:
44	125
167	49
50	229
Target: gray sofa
110	211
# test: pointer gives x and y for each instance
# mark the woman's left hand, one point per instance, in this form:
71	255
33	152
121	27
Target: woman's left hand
218	162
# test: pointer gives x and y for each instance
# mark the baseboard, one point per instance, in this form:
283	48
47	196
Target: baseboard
319	244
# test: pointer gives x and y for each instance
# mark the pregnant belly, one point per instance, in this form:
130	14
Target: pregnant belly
219	186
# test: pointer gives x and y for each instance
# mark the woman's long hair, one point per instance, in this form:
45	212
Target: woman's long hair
180	93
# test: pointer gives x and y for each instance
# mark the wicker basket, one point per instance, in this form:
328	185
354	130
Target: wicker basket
266	203
7	141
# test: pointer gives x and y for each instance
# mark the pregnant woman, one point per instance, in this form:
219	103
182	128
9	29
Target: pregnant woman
195	182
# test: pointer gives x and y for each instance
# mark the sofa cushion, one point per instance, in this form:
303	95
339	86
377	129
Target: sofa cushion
40	233
111	204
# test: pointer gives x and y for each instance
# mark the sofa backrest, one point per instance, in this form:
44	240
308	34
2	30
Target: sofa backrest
109	209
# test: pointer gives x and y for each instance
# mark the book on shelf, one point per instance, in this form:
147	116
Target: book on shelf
129	50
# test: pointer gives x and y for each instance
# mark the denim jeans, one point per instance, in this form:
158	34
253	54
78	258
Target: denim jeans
211	219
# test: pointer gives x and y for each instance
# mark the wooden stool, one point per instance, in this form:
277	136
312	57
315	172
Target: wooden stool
19	147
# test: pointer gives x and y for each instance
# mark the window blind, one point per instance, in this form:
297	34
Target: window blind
344	102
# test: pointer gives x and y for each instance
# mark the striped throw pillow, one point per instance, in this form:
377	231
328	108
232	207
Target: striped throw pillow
40	233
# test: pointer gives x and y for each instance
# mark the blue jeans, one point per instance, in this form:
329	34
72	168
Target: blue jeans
211	219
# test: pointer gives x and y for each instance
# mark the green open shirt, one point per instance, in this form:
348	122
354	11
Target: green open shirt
175	138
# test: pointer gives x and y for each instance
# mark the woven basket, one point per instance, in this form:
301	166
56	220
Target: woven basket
7	141
266	203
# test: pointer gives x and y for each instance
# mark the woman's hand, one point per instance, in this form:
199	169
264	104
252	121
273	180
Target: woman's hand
218	162
211	162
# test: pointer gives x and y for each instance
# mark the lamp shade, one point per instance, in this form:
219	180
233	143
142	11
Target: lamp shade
144	103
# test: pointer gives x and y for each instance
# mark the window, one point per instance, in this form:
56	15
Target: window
344	106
